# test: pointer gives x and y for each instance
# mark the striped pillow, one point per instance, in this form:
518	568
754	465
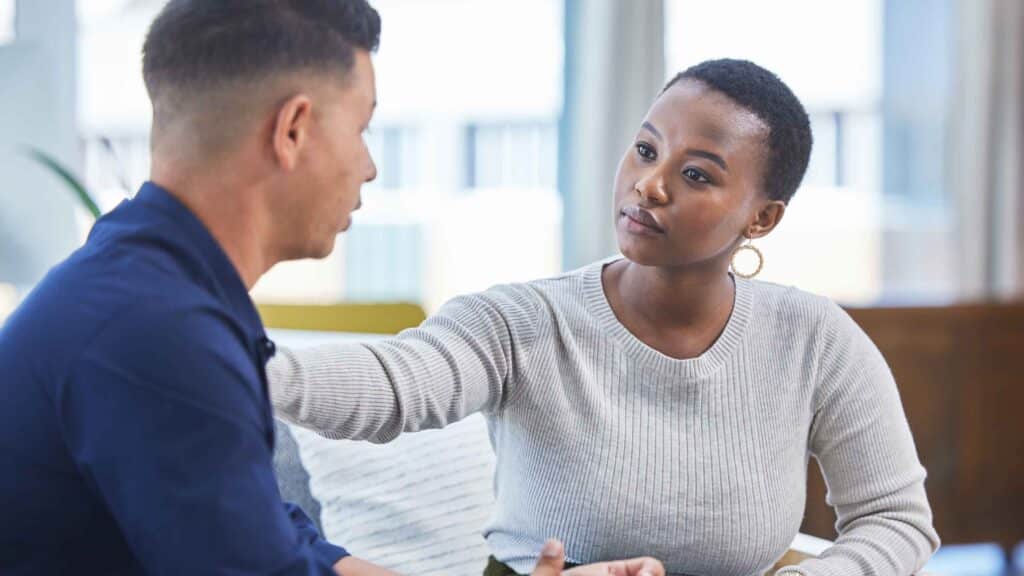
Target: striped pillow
417	505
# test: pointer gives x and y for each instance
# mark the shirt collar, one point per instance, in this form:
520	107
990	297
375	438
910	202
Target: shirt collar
225	281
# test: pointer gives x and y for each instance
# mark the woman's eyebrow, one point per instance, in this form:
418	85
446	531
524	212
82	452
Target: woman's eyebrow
709	156
647	125
692	152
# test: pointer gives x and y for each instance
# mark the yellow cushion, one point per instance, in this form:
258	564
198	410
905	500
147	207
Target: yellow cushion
381	318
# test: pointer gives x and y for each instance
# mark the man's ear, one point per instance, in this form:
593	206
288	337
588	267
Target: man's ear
766	219
291	130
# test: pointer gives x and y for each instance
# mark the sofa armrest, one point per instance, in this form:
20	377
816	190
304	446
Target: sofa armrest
805	546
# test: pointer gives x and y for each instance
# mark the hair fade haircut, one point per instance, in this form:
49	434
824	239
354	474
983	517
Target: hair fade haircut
767	97
197	45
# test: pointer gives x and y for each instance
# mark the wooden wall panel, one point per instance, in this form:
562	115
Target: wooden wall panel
960	371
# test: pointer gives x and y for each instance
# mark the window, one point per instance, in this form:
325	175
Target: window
8	21
465	141
384	262
394	150
507	155
874	195
113	107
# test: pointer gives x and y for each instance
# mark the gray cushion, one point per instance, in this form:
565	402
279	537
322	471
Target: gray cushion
292	478
417	505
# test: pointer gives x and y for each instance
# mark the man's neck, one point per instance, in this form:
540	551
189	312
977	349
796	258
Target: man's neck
230	211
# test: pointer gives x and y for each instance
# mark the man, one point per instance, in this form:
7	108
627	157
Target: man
136	434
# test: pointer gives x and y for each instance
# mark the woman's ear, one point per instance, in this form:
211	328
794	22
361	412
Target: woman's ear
766	219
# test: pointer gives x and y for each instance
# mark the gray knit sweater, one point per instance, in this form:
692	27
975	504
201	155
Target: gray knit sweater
621	451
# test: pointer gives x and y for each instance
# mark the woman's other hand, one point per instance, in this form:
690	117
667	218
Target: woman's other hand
552	560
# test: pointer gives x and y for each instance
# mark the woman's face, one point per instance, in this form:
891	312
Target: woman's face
690	186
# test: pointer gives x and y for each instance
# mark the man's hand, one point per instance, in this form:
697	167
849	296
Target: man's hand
632	567
552	560
352	566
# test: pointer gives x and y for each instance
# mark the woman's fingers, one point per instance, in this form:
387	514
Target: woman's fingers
551	561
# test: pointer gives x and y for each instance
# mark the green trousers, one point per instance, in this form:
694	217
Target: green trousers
495	568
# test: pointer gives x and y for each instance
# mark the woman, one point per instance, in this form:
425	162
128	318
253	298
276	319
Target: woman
657	404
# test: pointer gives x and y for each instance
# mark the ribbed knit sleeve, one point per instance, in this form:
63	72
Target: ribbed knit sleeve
456	363
863	444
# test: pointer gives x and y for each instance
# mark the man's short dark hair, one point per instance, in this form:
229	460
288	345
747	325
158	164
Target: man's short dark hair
201	44
764	94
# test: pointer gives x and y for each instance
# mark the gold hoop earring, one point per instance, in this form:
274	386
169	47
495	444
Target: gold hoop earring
760	260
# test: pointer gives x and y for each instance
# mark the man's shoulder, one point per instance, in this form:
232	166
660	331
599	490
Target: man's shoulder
87	304
90	290
182	320
188	348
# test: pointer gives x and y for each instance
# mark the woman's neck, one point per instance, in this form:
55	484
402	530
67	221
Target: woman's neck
676	311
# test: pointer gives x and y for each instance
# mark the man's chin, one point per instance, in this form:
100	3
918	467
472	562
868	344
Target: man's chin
318	250
325	249
346	224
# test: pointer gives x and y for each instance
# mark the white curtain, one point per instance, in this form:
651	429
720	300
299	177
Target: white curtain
987	148
614	67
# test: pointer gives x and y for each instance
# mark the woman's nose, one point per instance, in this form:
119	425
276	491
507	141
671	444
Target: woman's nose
652	189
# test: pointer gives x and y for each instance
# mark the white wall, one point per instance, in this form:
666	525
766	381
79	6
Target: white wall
38	224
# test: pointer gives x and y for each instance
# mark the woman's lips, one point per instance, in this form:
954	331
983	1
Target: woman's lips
641	220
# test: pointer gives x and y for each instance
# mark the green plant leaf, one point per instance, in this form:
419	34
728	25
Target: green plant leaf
76	186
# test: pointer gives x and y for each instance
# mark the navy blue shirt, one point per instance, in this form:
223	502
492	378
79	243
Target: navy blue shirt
136	433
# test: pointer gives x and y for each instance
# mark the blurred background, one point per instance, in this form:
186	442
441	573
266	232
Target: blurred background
499	129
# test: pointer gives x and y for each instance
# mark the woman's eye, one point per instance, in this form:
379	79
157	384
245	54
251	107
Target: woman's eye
696	175
645	151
